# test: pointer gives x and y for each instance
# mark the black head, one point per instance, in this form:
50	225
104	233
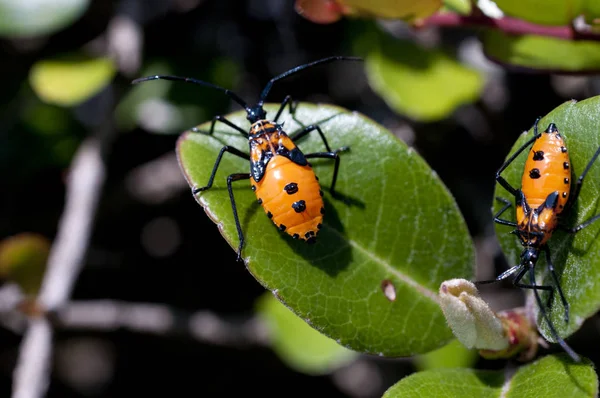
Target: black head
529	256
255	114
551	128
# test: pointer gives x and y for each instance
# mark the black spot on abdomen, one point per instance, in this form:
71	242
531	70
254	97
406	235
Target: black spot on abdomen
538	155
534	173
291	188
299	206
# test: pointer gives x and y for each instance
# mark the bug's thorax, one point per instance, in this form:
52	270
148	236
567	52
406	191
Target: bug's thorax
535	226
267	140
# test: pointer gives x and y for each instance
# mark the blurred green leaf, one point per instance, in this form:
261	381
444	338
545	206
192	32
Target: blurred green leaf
423	84
27	18
549	12
576	257
23	260
452	355
549	377
463	7
329	11
70	81
545	53
397	222
301	347
394	9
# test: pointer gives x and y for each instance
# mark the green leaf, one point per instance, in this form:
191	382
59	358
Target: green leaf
68	81
29	18
394	9
555	376
551	376
301	347
23	260
462	7
396	229
575	257
452	355
549	12
537	52
411	78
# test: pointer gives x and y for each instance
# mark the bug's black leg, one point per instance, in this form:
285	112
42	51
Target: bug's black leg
558	339
330	155
517	268
507	205
556	283
224	121
229	149
580	226
309	129
501	179
291	104
575	195
520	275
230	179
579	182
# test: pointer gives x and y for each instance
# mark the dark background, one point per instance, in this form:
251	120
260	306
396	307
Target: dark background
260	39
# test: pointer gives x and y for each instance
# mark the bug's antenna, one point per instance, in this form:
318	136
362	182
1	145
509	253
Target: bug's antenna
297	69
229	93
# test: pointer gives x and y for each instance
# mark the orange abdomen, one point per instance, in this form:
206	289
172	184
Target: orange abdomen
547	170
292	197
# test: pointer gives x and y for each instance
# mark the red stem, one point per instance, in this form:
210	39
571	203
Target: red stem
508	25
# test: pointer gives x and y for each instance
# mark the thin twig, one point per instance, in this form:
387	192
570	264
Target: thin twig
64	262
160	319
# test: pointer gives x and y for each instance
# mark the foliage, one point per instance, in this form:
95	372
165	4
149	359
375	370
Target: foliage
429	117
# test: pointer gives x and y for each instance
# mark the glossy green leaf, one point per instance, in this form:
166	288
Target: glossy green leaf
549	12
537	52
23	260
297	344
575	257
27	18
371	280
452	355
71	80
411	78
549	377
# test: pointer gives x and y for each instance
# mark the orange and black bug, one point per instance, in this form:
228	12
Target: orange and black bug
280	175
544	194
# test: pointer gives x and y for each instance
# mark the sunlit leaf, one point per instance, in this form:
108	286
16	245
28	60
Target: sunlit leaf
549	377
370	282
70	81
549	12
538	52
328	11
297	344
26	18
463	7
575	257
424	84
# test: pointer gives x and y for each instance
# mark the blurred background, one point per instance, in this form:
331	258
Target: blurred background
66	73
